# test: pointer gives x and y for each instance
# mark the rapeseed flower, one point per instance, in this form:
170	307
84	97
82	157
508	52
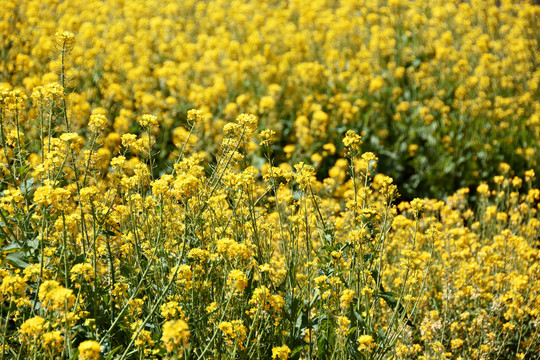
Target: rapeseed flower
175	335
281	352
89	350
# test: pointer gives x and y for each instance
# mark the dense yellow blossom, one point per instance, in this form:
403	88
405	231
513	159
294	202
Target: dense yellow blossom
220	179
281	352
89	350
175	335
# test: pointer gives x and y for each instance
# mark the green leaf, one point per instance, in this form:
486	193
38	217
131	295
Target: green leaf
382	334
368	257
392	302
376	277
297	350
17	259
107	233
322	344
298	324
360	319
33	243
11	246
388	298
27	186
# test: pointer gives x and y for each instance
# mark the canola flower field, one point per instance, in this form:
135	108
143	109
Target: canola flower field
269	179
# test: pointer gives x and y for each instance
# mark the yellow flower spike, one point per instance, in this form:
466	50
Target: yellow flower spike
15	100
266	104
281	352
329	148
412	149
148	121
366	342
417	205
53	341
82	272
343	326
247	121
529	175
352	140
32	328
97	122
65	40
504	168
235	333
238	279
305	175
176	336
483	189
346	298
42	95
335	71
289	150
89	350
268	137
376	84
12	285
128	140
456	343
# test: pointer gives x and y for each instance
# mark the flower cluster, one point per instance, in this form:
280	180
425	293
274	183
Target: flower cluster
219	180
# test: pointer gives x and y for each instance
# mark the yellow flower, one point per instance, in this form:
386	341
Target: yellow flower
412	149
65	40
171	309
343	325
346	298
128	140
82	272
89	350
31	329
352	140
53	340
289	150
248	122
456	343
97	122
212	307
305	175
41	95
366	342
183	138
12	285
529	175
266	103
143	339
226	327
376	84
238	279
148	121
184	275
267	137
329	148
235	333
175	334
403	106
118	162
281	352
55	297
417	205
504	168
195	115
263	300
483	189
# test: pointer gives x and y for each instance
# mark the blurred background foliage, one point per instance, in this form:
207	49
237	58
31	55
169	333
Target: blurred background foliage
442	91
